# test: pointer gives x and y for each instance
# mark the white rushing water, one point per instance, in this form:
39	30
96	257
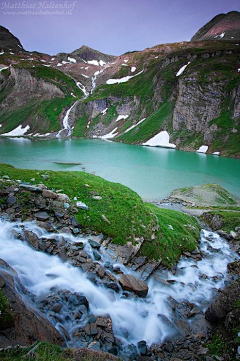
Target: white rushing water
66	125
133	319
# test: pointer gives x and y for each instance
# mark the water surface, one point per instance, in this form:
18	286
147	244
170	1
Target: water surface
152	172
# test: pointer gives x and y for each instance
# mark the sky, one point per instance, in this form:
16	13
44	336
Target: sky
110	26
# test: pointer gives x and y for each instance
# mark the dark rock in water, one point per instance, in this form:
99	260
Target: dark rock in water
63	254
142	347
42	216
56	307
100	271
94	244
64	332
113	286
133	284
32	239
96	255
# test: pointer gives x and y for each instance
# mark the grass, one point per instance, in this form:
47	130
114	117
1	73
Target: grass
171	243
6	316
80	127
149	127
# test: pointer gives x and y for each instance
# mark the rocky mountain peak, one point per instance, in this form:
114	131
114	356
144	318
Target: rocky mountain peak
8	41
221	27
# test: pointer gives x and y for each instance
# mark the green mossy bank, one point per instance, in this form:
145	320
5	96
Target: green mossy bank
129	217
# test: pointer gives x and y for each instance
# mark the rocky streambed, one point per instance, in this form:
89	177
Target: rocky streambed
78	282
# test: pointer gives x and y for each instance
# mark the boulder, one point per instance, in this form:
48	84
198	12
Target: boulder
133	284
32	239
49	194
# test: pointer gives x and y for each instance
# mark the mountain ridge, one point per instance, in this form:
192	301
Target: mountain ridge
189	90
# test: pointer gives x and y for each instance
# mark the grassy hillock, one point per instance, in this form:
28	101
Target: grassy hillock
129	217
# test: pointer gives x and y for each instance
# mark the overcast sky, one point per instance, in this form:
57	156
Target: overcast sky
110	26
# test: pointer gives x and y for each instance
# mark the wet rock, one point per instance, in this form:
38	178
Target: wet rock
56	307
96	255
133	284
142	347
100	271
94	244
42	216
224	304
32	239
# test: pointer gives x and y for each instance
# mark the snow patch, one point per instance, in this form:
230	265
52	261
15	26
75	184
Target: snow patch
122	117
93	62
101	63
216	153
52	59
181	70
11	53
43	61
160	140
133	69
156	57
2	53
202	149
124	64
86	68
219	36
73	95
46	65
104	111
135	125
17	131
65	62
72	60
122	80
0	125
85	76
110	135
126	60
59	64
6	67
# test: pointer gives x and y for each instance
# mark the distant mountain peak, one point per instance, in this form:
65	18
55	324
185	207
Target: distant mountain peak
8	41
221	27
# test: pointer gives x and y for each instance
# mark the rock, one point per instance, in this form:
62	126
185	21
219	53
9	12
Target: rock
29	324
61	197
49	194
100	271
105	219
224	304
81	205
133	284
56	307
42	216
96	255
32	239
31	188
98	198
142	347
94	244
2	282
11	199
94	345
233	234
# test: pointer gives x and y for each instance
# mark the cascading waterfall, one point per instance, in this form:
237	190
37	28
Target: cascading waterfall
134	319
66	125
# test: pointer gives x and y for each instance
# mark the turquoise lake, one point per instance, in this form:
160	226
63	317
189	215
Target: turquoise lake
152	172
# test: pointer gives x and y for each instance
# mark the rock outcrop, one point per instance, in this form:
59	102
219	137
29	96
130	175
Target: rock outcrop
8	41
29	325
221	27
133	284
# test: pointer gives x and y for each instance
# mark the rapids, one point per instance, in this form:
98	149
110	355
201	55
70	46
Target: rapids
150	319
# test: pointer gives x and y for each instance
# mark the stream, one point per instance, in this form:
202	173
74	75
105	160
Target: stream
151	319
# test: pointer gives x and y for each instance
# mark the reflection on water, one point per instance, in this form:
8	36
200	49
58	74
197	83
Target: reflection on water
152	172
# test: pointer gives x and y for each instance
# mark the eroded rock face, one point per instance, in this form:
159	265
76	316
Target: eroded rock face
133	284
29	324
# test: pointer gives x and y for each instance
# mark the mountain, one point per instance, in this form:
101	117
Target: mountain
8	41
221	27
184	95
